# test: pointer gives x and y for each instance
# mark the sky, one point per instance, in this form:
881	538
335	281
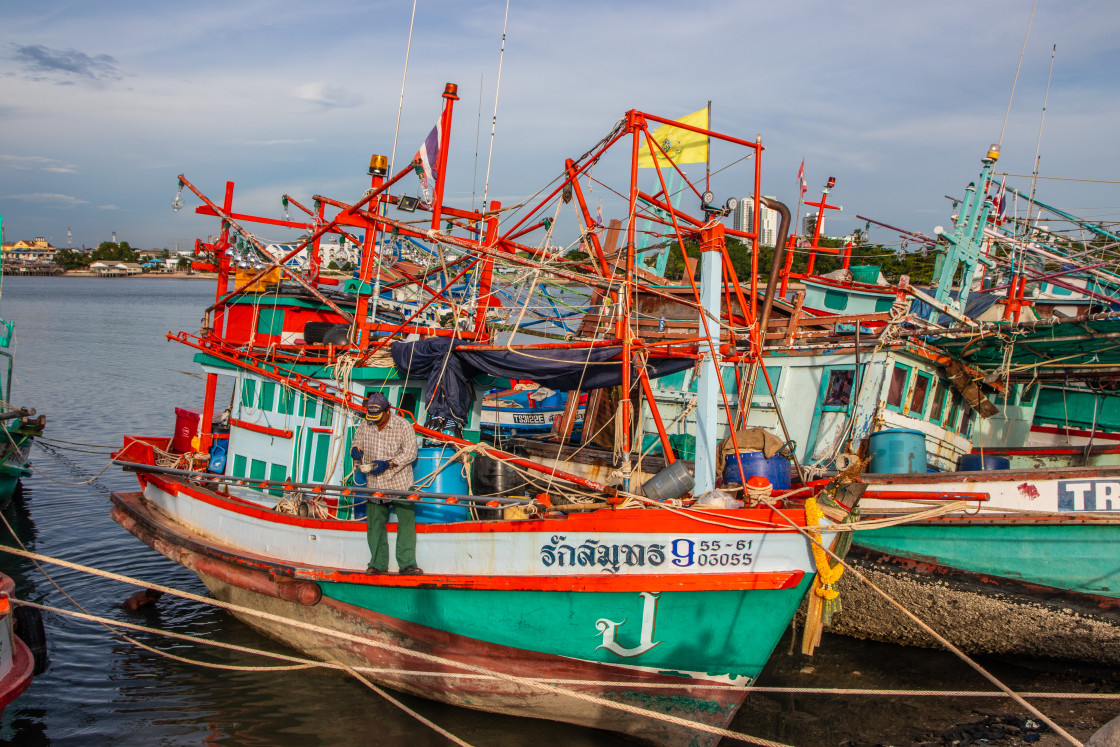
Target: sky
102	105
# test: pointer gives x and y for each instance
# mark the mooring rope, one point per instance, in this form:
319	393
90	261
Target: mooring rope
393	648
427	722
321	664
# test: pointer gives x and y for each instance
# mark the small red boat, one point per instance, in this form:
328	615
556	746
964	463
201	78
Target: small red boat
16	661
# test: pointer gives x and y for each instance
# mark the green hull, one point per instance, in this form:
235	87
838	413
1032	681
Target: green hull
714	633
1081	558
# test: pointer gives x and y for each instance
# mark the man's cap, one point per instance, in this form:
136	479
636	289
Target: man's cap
376	404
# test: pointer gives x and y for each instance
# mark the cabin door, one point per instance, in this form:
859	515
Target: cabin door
835	401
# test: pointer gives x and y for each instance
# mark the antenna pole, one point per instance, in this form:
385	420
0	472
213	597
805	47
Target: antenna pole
1017	67
494	120
404	76
1038	145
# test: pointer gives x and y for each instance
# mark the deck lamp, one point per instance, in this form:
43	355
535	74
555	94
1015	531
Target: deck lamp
706	200
730	205
993	153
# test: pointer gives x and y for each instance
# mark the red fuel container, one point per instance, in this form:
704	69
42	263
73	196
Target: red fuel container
186	428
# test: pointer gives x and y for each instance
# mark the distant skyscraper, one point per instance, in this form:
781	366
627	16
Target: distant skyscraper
809	223
743	220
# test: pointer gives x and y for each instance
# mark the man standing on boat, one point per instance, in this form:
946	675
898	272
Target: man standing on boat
383	452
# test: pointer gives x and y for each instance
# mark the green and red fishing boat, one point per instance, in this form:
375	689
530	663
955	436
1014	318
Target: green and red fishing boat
583	589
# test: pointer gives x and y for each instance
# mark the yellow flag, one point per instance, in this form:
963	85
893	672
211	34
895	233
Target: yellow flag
683	146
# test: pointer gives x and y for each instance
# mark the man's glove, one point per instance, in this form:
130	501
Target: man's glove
355	454
377	466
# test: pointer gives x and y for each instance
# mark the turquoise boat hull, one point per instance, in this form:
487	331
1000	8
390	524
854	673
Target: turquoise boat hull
1066	556
711	633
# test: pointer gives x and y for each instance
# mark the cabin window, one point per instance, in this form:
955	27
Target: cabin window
918	398
760	388
326	419
408	403
966	420
239	464
287	404
268	395
1058	290
838	393
727	373
308	406
883	304
954	410
270	322
248	392
938	407
257	469
672	381
835	300
1028	395
900	377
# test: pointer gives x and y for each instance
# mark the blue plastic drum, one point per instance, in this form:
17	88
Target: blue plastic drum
755	464
897	451
977	463
453	479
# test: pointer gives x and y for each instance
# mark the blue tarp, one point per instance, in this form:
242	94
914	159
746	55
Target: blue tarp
449	369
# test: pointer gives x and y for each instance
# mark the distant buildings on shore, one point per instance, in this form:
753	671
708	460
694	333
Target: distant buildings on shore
743	220
36	250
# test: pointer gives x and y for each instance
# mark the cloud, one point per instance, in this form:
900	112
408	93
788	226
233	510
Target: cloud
107	207
327	96
66	62
42	163
49	198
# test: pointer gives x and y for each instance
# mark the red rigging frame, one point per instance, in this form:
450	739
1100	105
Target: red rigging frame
480	242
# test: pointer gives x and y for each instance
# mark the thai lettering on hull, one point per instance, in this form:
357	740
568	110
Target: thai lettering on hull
592	553
1089	495
698	555
609	630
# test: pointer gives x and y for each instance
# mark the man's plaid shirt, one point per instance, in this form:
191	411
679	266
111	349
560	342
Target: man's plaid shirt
396	443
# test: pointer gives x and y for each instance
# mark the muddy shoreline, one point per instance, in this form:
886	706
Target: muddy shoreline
854	720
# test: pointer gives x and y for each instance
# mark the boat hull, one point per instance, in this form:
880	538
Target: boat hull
658	643
661	693
1029	568
17	664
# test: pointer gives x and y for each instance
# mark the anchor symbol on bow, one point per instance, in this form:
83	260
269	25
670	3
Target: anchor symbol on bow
649	619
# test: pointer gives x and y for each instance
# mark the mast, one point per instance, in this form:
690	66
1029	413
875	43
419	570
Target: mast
708	386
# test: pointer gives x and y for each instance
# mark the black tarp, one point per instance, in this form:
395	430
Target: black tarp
448	369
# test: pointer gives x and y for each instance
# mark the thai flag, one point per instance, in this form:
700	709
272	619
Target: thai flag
428	156
801	178
1001	198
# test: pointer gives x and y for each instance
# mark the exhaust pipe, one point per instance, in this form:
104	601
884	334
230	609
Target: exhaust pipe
775	265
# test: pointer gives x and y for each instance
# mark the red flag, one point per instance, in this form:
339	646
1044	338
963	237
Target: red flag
801	177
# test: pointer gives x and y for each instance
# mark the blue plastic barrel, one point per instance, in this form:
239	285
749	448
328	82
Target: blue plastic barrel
977	463
453	479
897	451
755	464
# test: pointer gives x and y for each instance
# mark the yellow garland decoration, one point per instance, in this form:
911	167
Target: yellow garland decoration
826	575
